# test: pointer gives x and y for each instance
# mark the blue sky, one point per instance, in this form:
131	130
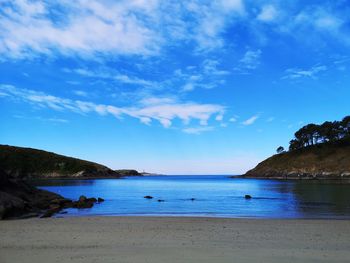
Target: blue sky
177	87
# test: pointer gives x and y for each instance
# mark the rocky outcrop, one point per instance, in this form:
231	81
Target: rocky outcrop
329	161
128	172
18	199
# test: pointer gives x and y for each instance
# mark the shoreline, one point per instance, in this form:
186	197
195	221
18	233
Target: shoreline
193	216
293	178
173	239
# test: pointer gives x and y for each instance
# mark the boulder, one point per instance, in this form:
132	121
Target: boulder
248	197
92	199
100	200
82	198
148	197
11	205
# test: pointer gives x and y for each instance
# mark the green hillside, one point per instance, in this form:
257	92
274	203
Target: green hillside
323	161
32	163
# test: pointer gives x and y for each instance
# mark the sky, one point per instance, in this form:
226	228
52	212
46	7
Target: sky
174	87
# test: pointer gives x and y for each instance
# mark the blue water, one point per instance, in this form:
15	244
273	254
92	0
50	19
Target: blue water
215	196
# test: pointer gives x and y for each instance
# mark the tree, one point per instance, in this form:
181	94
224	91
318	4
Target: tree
295	145
280	149
345	123
313	134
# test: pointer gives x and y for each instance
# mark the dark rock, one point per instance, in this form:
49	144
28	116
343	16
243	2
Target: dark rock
61	202
148	197
160	200
192	199
100	200
82	198
11	205
92	199
18	199
50	212
81	205
248	197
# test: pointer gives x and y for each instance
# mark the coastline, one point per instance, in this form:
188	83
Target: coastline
293	178
173	239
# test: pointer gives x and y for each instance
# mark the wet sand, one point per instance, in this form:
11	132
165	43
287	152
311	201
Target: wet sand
173	239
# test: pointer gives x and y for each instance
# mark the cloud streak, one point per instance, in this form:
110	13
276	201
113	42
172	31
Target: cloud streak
161	110
295	73
251	120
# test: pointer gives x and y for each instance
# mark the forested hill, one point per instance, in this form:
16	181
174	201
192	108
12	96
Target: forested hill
32	163
317	151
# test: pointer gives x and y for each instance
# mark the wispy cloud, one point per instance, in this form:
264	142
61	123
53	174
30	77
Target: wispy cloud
163	111
295	73
268	13
251	120
211	67
86	28
109	74
207	75
249	61
211	20
94	28
80	93
53	120
197	130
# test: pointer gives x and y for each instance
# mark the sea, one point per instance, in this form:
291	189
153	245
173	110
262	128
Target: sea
207	196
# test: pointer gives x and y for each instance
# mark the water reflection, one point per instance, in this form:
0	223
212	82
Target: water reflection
323	197
214	196
61	182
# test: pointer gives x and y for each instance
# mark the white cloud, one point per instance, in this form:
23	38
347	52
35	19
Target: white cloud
268	13
210	67
197	130
233	119
271	119
164	111
296	73
319	18
57	120
93	28
86	28
208	75
106	73
157	101
219	117
251	120
212	20
249	61
80	93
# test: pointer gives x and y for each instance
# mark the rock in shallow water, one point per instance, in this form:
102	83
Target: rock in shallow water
18	199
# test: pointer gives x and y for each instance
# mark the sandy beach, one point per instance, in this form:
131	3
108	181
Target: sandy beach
167	239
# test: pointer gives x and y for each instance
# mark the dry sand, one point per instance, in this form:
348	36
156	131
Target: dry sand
167	240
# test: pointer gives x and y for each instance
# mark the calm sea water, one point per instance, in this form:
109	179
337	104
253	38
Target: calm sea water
216	196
